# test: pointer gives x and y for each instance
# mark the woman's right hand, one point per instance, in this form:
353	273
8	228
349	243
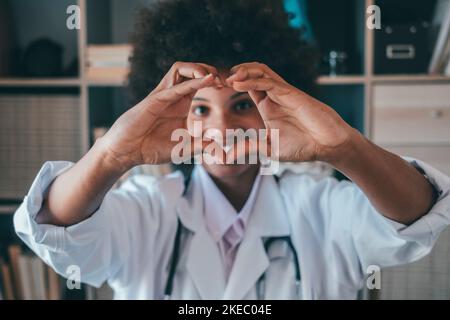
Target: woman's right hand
142	134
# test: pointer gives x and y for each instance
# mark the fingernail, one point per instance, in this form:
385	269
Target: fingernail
207	77
218	82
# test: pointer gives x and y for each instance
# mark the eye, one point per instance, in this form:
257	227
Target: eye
243	105
200	110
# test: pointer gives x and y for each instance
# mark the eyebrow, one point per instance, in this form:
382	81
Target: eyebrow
238	94
234	96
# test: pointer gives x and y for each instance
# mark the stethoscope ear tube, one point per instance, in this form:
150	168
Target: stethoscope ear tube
173	264
176	249
261	284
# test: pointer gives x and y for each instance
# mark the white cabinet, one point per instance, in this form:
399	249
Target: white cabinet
412	114
413	120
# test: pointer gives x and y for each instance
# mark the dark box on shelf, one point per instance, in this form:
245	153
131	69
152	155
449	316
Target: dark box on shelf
402	48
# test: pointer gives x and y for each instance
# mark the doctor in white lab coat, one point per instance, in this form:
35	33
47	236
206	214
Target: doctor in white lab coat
390	213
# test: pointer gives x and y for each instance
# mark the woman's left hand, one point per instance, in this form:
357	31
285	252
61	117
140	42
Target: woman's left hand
308	129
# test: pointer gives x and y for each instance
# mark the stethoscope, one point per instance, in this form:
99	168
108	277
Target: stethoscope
261	283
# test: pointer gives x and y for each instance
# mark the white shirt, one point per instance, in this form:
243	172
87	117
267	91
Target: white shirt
226	225
129	240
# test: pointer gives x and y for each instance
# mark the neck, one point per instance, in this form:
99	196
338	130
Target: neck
237	188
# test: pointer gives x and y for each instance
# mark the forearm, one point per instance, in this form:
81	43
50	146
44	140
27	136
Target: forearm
394	187
77	193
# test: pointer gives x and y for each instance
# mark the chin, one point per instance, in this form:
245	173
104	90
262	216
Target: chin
222	171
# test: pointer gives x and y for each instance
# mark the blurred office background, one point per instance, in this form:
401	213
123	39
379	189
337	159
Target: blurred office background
61	88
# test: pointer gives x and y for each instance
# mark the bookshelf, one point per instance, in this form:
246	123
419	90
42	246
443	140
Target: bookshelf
100	25
110	21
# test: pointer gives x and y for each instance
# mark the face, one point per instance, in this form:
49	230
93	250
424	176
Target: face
221	109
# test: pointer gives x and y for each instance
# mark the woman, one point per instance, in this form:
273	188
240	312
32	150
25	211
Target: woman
226	231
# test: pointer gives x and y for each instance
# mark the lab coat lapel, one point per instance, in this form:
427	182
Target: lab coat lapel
251	262
268	219
205	266
204	263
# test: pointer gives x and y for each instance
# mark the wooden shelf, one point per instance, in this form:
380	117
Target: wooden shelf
343	79
322	80
106	82
43	82
409	78
8	209
354	79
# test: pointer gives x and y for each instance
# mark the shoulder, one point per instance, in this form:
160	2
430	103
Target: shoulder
149	183
308	190
167	188
290	180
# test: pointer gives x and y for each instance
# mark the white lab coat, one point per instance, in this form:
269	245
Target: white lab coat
128	241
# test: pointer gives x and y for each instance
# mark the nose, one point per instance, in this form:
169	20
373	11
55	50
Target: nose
219	120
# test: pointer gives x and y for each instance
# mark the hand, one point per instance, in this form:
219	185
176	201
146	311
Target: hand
308	129
142	134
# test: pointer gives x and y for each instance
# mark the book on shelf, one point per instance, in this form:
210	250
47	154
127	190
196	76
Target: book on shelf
54	284
108	62
6	283
108	55
107	73
25	272
15	252
24	276
109	49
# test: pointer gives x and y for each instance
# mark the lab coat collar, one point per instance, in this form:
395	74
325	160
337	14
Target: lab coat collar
204	263
190	205
269	219
269	216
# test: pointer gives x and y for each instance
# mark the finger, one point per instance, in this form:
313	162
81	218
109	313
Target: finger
186	149
270	86
257	96
213	70
243	151
192	148
183	89
265	68
279	93
190	71
199	145
181	71
212	152
245	73
245	64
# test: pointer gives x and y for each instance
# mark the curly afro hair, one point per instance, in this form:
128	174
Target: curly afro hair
220	33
